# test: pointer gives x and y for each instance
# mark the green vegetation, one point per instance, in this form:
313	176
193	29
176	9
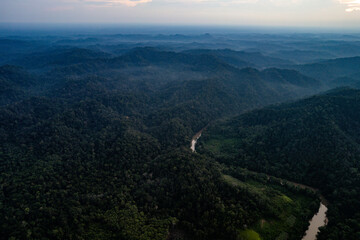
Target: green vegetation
313	141
289	207
94	144
249	235
99	157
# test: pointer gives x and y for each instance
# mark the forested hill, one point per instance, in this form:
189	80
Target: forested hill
242	58
95	141
59	57
97	148
329	70
314	141
168	79
15	82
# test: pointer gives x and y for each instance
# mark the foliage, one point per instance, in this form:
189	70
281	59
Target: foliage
93	147
313	141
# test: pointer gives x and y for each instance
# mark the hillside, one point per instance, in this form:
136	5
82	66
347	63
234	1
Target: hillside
15	84
241	58
58	57
314	141
95	143
85	158
331	69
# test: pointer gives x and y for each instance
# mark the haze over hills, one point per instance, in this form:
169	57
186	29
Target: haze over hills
96	128
242	59
330	69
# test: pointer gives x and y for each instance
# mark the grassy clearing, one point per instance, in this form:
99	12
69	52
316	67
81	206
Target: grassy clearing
255	189
233	181
249	235
286	199
220	144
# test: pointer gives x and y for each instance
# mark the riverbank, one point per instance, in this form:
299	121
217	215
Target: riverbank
318	220
290	208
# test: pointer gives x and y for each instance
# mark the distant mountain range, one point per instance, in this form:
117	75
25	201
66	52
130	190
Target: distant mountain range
95	133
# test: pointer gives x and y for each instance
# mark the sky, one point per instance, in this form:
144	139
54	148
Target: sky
301	13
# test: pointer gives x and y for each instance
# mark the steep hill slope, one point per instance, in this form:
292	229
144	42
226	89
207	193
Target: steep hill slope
88	161
314	141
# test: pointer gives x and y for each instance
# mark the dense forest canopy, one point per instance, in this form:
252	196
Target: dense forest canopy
95	133
313	141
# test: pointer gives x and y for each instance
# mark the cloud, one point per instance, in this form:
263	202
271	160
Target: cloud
219	2
61	8
129	3
133	3
352	5
285	2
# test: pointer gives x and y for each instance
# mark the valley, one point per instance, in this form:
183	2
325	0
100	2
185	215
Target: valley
95	134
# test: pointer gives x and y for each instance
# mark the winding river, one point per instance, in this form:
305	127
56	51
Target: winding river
318	220
195	139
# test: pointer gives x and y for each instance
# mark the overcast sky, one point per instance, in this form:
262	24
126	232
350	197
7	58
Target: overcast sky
327	13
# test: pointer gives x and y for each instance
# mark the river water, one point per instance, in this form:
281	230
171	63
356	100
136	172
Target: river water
193	142
317	221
